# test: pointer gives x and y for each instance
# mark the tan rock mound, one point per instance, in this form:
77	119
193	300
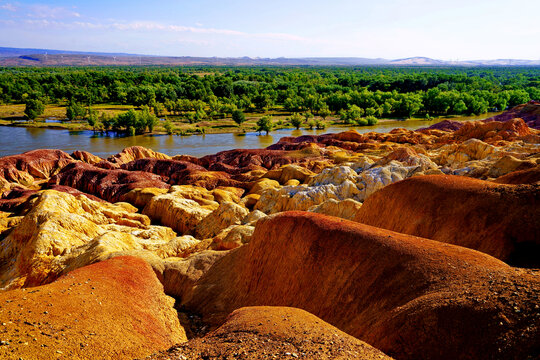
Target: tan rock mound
115	309
273	332
409	297
225	215
500	220
135	153
86	157
345	209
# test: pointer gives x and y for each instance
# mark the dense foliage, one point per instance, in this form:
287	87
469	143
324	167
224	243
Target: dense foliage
353	93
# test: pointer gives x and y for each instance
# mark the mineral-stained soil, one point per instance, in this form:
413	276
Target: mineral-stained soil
499	220
407	296
273	332
437	258
109	310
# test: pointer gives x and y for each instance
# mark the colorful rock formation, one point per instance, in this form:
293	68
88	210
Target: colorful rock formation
407	296
110	310
424	271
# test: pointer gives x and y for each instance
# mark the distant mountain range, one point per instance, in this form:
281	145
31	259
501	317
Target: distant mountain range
47	57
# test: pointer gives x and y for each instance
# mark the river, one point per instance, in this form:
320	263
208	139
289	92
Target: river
16	140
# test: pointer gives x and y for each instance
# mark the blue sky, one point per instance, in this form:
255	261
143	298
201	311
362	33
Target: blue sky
449	30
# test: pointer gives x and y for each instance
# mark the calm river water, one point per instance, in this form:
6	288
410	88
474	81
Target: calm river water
16	140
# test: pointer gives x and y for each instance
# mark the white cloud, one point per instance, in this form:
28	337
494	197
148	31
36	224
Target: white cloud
8	7
42	11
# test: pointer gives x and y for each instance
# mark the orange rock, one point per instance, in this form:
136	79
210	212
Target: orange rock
500	220
115	309
407	296
135	153
274	332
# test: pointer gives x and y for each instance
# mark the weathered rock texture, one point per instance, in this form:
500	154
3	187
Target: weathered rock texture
274	332
115	309
407	296
109	185
62	232
500	220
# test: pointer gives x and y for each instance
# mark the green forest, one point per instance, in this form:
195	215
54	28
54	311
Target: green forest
355	95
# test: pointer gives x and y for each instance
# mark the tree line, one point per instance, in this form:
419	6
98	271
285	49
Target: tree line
355	94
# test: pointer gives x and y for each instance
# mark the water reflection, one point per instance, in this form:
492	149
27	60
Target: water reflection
16	140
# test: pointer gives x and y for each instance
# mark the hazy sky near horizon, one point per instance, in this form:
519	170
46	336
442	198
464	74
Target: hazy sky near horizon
449	30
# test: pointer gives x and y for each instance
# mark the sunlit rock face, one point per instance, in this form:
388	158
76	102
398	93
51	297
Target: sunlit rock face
495	219
62	232
447	211
113	309
339	270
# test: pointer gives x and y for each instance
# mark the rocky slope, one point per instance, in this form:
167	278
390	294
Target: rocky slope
110	310
442	246
407	296
499	220
273	332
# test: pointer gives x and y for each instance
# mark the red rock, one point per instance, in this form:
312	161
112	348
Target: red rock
528	176
247	160
109	185
115	309
33	165
407	296
500	220
529	112
13	200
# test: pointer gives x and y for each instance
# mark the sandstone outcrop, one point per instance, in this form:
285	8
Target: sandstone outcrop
407	296
62	232
274	332
496	219
182	208
33	166
227	214
115	309
134	153
345	209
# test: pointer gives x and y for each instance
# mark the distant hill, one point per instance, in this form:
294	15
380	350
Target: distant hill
47	57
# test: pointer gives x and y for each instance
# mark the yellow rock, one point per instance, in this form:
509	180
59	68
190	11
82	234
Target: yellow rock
253	217
177	212
227	194
225	215
345	209
250	200
7	221
292	182
61	231
233	237
180	275
141	197
260	185
288	172
508	164
456	155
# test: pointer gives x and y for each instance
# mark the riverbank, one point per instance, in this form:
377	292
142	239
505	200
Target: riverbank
52	119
